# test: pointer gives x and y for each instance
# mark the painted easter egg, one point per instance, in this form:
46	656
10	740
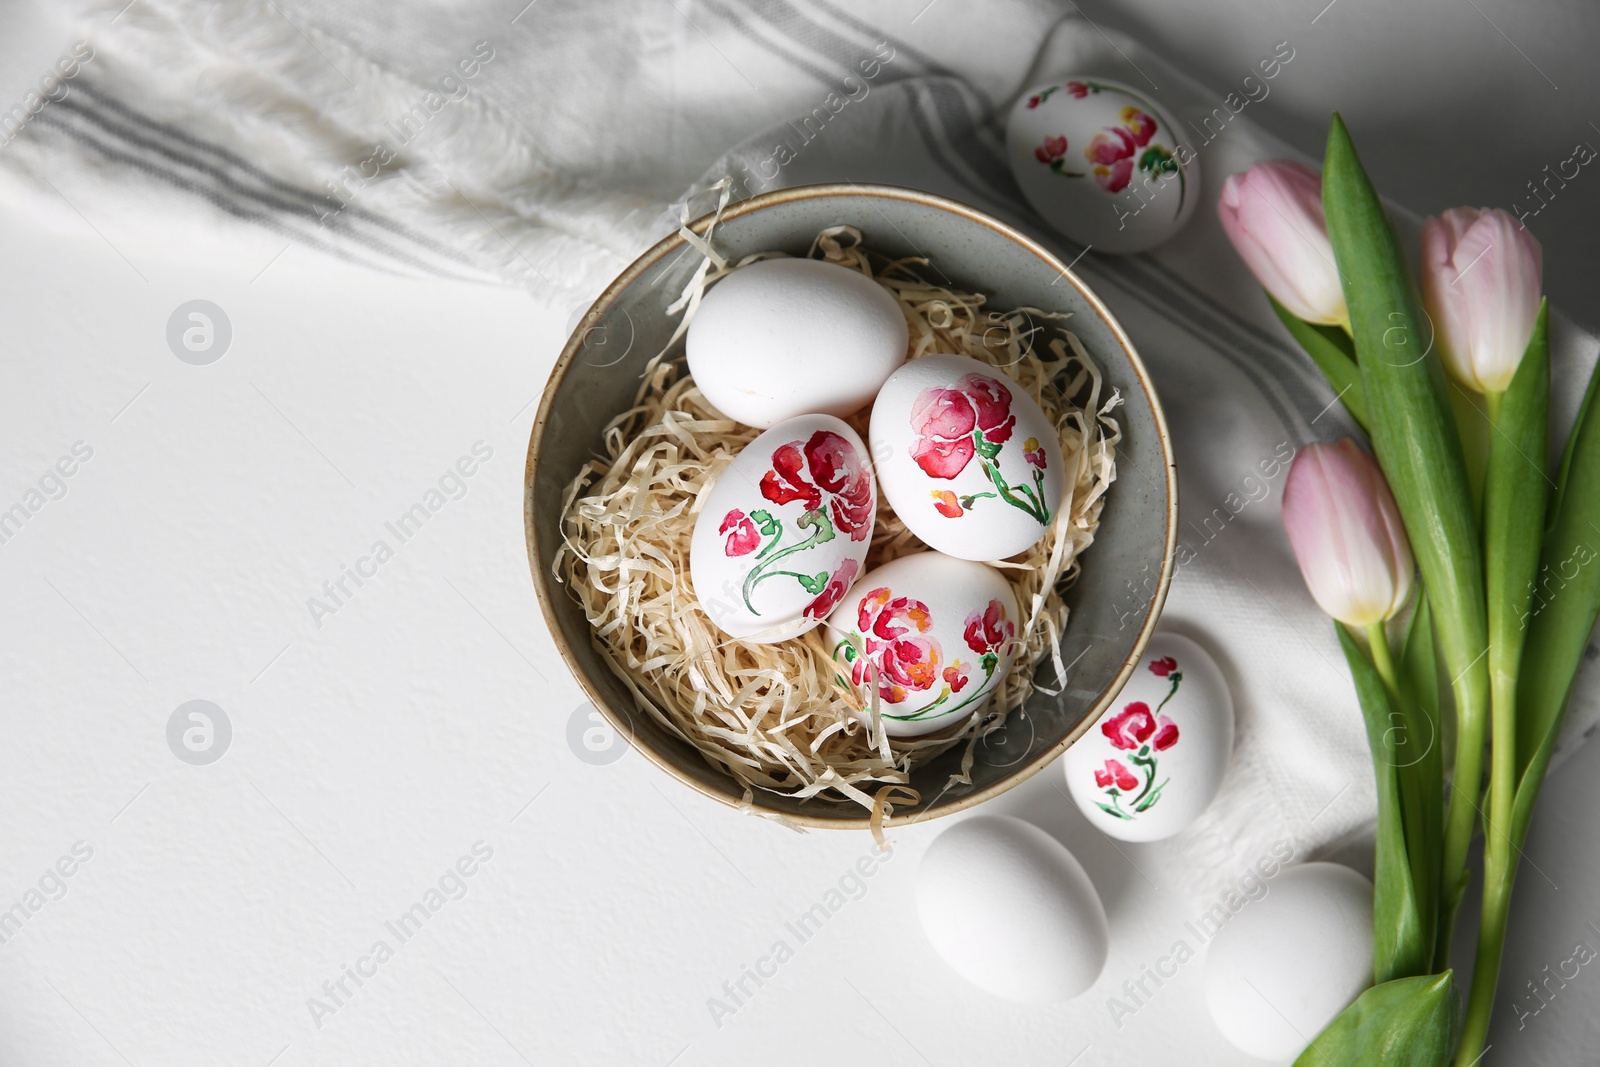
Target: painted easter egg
1286	964
784	530
787	337
1012	911
1102	163
932	635
1158	755
966	458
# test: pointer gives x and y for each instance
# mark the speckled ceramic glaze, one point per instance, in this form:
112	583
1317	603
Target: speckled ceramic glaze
1114	603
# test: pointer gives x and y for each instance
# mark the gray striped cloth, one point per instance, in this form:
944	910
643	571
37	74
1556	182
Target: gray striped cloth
543	145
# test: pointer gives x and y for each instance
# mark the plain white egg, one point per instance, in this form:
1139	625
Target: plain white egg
1102	163
1158	755
966	458
1286	964
1012	911
787	337
933	634
783	532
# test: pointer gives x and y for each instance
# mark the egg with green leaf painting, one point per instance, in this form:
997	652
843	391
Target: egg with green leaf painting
1157	756
783	533
925	639
966	458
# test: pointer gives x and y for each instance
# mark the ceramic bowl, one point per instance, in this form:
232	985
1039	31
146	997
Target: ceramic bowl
1114	603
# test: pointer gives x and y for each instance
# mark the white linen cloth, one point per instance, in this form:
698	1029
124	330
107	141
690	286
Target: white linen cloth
545	145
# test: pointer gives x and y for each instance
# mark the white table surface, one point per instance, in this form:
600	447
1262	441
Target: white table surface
430	711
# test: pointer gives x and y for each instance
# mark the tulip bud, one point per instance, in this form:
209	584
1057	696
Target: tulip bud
1346	532
1273	215
1481	280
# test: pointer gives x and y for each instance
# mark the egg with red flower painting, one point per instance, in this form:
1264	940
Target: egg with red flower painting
966	458
1157	756
928	638
1102	163
783	532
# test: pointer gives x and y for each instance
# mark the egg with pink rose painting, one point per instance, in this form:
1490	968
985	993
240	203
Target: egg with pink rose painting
966	458
1155	760
926	637
783	532
1102	163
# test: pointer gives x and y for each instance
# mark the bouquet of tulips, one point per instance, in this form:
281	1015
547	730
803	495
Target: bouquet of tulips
1454	561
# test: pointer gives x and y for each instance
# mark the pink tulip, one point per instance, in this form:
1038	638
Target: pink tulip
1346	532
1481	277
1273	215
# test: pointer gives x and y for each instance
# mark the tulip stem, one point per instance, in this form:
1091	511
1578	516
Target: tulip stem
1382	658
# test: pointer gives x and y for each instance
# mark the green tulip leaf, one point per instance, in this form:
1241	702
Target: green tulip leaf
1402	942
1329	347
1409	1022
1414	437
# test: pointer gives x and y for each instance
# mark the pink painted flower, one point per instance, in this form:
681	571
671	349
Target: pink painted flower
1166	734
1130	727
839	472
894	628
1077	90
838	585
1481	278
1273	215
1033	452
1115	774
1051	150
945	502
743	538
786	481
1140	125
943	421
989	630
1163	666
1345	529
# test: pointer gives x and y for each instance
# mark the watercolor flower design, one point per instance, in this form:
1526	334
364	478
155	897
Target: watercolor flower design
1142	734
971	421
1115	152
827	475
898	650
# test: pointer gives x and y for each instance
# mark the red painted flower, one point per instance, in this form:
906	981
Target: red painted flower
1034	101
1166	734
1051	150
944	421
1131	727
1112	150
992	401
742	536
1163	666
1077	89
956	676
906	660
834	591
786	481
1033	452
989	630
840	473
1115	774
945	502
836	472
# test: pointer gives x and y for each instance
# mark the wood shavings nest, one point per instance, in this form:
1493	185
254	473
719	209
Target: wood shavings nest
776	717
